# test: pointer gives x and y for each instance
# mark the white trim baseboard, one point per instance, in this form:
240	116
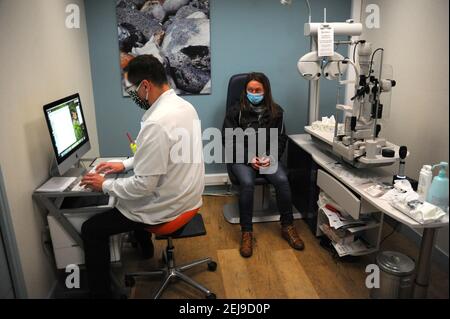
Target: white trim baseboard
217	179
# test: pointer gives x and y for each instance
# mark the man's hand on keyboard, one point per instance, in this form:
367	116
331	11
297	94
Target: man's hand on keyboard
93	181
110	168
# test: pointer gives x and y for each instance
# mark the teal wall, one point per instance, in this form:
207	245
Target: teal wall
246	35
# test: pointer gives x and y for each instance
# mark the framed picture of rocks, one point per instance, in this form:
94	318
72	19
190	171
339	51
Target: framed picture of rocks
177	32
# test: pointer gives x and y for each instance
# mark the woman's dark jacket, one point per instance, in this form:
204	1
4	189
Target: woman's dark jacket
248	118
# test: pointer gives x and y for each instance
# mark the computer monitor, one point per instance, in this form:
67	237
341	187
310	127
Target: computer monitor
68	131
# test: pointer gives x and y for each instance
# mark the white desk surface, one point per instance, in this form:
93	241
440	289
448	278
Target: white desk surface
325	161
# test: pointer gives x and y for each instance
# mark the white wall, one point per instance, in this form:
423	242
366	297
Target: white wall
41	61
414	34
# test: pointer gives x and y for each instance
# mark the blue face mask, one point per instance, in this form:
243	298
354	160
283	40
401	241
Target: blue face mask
255	98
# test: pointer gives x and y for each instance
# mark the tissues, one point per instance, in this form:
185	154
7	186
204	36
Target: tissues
406	200
327	124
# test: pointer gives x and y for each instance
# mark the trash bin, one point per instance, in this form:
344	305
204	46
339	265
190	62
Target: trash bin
396	276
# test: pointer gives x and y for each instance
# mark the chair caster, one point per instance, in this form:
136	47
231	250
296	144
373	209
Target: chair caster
212	266
211	296
129	281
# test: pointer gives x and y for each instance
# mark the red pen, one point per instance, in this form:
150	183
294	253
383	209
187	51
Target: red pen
129	138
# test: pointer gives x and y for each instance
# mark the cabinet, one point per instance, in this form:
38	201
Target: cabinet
66	250
362	230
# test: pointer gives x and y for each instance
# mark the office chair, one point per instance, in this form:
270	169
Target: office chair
192	226
264	207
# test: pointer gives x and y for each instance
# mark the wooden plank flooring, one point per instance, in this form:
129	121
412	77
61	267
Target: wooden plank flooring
274	271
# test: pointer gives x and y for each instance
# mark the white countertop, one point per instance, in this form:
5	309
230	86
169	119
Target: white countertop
327	163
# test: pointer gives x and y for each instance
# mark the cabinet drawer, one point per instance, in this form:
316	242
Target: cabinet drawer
340	194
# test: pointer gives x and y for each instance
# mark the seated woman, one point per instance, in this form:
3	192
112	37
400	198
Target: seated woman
257	110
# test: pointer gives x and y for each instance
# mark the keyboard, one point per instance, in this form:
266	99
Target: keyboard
81	188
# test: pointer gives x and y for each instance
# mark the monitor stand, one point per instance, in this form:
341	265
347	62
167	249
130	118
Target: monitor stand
75	171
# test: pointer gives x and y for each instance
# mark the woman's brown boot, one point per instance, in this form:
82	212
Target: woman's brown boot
290	234
246	249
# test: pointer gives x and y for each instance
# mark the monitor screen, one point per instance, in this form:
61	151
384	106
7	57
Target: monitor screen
67	126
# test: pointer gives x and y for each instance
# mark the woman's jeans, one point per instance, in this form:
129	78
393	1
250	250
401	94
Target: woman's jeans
246	176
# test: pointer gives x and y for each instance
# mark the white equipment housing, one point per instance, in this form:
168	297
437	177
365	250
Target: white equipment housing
360	120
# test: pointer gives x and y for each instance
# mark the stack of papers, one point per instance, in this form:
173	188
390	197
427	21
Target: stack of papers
341	229
337	236
338	221
354	248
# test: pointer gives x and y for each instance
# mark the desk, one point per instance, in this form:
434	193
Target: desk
51	202
58	206
326	162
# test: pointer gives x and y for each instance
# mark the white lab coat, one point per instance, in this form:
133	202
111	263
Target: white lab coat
162	187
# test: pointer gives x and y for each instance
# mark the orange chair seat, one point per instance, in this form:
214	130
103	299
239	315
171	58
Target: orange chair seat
173	225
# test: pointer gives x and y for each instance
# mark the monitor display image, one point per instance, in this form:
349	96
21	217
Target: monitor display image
68	131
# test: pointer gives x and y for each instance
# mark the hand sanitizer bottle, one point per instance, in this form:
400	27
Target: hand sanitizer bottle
438	193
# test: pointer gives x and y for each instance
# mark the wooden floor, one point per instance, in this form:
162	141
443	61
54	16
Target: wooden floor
274	271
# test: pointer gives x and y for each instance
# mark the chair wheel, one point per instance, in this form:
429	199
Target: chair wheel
211	296
129	281
212	266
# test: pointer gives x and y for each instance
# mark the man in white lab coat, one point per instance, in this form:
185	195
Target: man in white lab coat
163	185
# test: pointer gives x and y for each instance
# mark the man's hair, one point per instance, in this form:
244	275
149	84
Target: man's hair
146	67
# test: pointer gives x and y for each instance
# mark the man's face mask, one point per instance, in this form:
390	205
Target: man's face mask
132	92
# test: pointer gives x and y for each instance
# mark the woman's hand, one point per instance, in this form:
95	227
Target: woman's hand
110	168
255	163
264	161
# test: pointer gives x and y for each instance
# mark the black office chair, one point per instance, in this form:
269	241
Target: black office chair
264	207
